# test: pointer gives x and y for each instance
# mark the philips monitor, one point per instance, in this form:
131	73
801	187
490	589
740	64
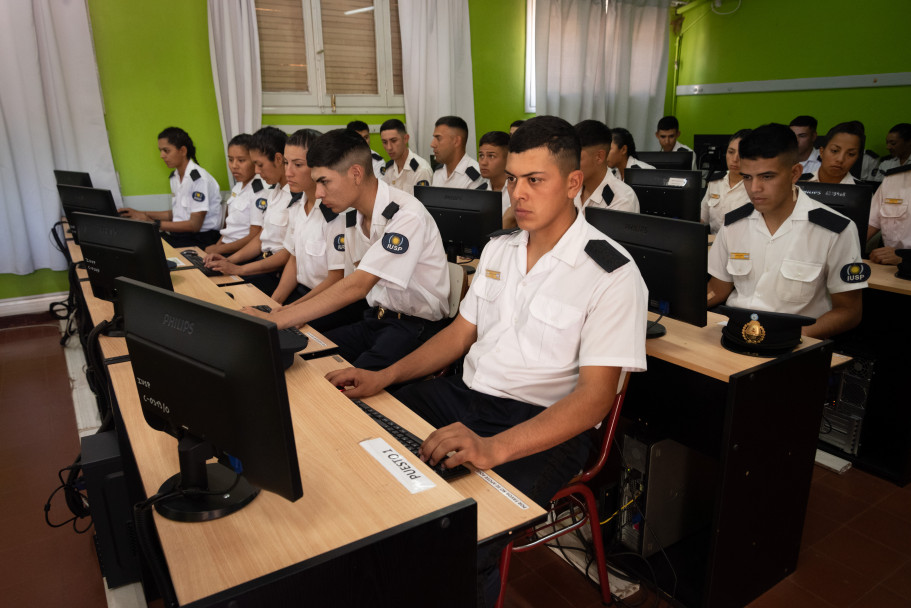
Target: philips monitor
711	152
114	247
72	178
85	200
681	160
848	199
672	257
465	217
212	378
674	194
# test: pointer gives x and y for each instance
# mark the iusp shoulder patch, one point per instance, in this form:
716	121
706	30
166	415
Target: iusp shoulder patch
607	195
339	242
828	220
351	219
901	169
195	175
423	182
199	196
257	185
395	242
856	272
390	210
261	204
328	213
503	232
472	173
738	214
605	255
805	177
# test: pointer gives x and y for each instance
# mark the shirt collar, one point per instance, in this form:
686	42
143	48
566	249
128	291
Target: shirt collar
379	205
570	244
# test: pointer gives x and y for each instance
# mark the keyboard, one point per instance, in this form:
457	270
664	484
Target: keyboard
194	258
411	442
294	331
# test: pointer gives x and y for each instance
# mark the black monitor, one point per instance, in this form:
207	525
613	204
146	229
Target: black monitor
213	379
672	257
711	152
116	246
848	199
680	160
674	194
85	200
72	178
465	217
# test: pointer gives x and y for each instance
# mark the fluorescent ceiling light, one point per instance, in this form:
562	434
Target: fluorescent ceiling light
366	9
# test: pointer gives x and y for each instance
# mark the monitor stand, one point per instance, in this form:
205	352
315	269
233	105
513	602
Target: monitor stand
207	490
115	325
654	330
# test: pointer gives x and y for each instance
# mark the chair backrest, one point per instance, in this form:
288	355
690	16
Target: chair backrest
608	429
458	286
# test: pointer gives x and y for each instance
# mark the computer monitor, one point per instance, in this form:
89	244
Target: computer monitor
213	379
465	217
848	199
73	178
711	152
86	200
674	194
116	246
680	160
672	257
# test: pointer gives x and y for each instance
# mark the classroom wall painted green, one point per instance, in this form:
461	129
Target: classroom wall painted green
37	283
777	39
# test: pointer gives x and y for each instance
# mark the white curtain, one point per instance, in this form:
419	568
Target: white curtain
609	65
436	67
234	52
51	117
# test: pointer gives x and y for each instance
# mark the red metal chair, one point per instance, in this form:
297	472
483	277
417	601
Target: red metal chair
576	503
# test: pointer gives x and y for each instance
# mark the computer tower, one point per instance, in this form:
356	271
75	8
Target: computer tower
673	492
110	508
843	416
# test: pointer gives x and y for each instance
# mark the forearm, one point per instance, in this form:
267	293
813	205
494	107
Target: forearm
435	354
350	289
273	263
253	248
717	292
832	323
184	226
288	281
159	215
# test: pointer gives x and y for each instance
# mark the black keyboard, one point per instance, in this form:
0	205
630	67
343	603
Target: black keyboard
294	331
194	258
410	441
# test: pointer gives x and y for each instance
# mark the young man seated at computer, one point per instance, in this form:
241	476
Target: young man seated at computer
556	311
405	169
493	148
889	213
783	251
457	170
844	146
898	143
667	134
804	128
394	258
600	188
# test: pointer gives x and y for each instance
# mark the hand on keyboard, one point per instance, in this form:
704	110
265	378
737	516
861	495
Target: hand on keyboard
455	444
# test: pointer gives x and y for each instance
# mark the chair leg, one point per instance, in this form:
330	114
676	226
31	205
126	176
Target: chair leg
598	542
505	558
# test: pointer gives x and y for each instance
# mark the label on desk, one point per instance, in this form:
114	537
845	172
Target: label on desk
395	461
502	490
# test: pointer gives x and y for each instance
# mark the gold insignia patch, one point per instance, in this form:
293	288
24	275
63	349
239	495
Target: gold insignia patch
753	332
894	201
740	256
493	274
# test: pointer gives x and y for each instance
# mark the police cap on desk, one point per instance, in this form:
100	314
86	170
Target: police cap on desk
760	333
904	267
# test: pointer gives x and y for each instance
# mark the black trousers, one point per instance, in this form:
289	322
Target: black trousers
191	239
377	343
266	282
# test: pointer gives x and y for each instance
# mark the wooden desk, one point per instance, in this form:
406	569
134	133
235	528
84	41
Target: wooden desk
218	280
882	277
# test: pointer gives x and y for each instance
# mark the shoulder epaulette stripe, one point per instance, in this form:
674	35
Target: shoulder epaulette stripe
806	177
389	163
715	176
390	210
503	232
482	186
194	175
738	214
828	220
327	213
257	185
900	169
376	156
351	219
605	255
607	195
414	164
472	173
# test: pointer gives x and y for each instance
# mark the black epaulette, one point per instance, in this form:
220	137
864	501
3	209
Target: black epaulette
738	214
872	154
414	164
257	185
482	186
173	173
900	169
272	187
295	197
607	195
389	164
328	213
605	255
805	177
194	175
390	210
828	219
350	219
503	232
472	173
714	176
376	156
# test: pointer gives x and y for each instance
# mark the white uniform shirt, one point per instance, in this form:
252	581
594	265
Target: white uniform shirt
637	164
316	240
792	271
887	165
405	252
197	191
536	329
889	210
679	147
415	171
719	199
847	179
506	201
465	175
812	163
378	163
275	220
242	205
624	198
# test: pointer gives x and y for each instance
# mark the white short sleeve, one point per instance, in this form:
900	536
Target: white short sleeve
396	254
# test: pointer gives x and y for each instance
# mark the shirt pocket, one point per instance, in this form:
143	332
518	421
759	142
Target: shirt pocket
315	247
279	218
739	268
798	281
893	210
552	333
488	292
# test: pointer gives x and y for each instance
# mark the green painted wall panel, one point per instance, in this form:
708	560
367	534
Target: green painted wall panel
37	283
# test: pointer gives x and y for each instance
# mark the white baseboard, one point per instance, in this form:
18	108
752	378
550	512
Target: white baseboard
30	304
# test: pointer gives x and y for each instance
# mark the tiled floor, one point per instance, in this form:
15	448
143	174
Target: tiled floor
856	546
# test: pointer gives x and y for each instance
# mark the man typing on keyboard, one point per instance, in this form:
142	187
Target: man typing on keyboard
555	312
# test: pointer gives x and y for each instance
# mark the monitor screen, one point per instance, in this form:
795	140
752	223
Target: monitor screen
671	255
674	194
116	246
711	152
465	218
86	200
72	178
213	379
848	199
680	160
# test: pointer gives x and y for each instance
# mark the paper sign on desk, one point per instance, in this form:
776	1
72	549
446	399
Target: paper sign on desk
394	462
178	262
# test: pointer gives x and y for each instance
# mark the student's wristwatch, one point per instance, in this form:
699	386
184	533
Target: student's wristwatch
157	224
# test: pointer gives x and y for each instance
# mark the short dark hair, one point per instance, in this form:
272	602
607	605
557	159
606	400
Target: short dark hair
244	140
270	142
179	138
516	123
358	125
453	122
769	141
338	150
303	138
668	123
495	138
853	127
903	130
804	121
621	137
553	133
593	133
394	123
740	134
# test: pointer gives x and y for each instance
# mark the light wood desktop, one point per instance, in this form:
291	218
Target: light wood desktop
882	277
218	280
